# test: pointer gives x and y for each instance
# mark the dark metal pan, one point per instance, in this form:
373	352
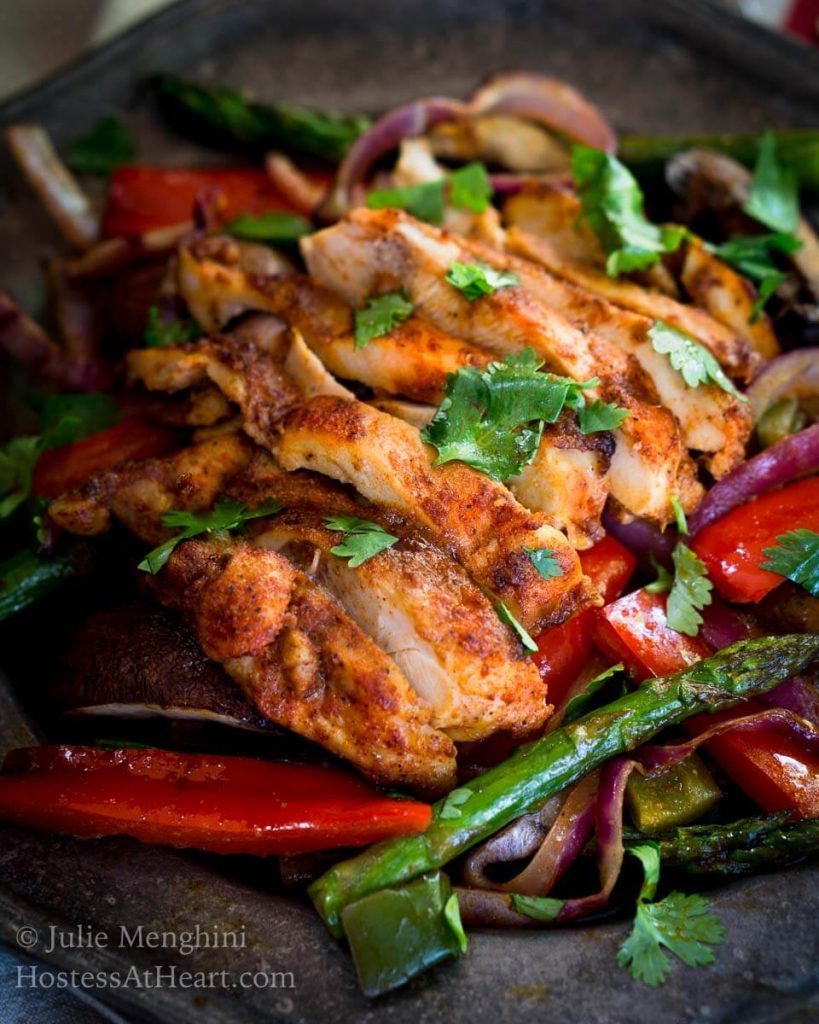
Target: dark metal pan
671	66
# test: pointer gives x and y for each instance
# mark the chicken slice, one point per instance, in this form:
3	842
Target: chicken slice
711	420
304	663
422	609
551	211
373	251
728	297
731	350
463	511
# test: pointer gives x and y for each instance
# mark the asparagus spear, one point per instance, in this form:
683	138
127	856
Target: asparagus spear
741	848
535	772
799	150
227	116
26	577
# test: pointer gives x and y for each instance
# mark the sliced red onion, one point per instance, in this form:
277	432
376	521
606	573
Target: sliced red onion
115	254
56	187
78	318
723	626
797	695
29	345
386	135
793	375
787	460
642	538
549	102
303	194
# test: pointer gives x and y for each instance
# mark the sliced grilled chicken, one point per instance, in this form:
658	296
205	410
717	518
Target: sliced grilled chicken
463	511
551	210
728	297
422	609
711	420
139	494
731	350
304	663
373	251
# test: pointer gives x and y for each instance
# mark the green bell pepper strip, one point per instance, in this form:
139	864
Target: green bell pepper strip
395	934
799	150
486	803
682	793
27	576
225	115
740	848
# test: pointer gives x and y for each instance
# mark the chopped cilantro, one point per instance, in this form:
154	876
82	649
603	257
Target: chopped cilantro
380	316
161	333
274	227
696	364
426	202
796	556
450	809
690	592
679	923
774	196
470	188
362	538
493	419
611	203
452	916
679	514
600	416
753	256
107	146
225	515
545	561
507	617
477	279
586	701
539	908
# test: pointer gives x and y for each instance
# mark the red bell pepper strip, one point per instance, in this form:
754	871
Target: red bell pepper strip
731	548
60	469
198	801
565	649
772	766
143	198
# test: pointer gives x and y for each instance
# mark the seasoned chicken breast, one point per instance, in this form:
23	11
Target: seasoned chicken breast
422	609
304	663
463	511
371	251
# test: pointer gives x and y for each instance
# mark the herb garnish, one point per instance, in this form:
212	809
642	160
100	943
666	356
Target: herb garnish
492	419
107	146
680	923
380	316
478	279
796	556
753	256
585	701
274	227
546	562
161	333
225	515
469	189
693	360
774	196
679	514
611	203
509	619
362	538
689	590
600	416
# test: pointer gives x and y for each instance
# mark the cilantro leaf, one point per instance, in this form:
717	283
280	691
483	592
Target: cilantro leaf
493	419
774	196
362	538
696	364
545	561
477	279
509	619
584	702
160	333
450	809
664	581
470	188
611	203
225	515
679	923
426	202
64	419
754	257
452	916
539	908
107	146
679	514
274	227
690	591
600	416
380	316
796	556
